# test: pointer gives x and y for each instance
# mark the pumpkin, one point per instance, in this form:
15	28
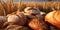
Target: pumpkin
53	18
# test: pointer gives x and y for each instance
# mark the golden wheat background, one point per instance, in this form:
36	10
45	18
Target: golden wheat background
10	6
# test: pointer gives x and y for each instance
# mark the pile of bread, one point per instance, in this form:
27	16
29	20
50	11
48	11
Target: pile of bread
31	19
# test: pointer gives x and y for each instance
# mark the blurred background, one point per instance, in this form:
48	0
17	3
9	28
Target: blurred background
34	0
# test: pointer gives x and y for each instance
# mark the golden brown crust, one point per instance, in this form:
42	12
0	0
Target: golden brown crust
53	18
37	24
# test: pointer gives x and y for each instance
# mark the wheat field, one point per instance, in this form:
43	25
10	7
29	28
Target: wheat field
10	6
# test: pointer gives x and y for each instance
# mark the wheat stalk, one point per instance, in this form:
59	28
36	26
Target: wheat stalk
9	5
19	5
2	3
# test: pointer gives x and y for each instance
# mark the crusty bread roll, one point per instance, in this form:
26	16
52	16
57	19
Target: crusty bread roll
31	10
37	24
53	18
15	19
